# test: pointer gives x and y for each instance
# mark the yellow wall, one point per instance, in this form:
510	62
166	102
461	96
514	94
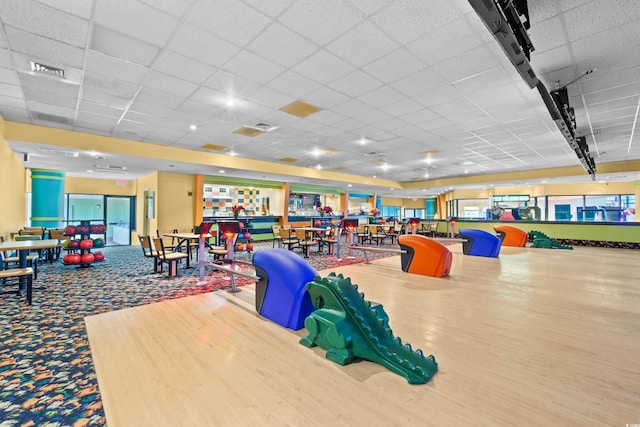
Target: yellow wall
13	191
74	185
590	188
174	202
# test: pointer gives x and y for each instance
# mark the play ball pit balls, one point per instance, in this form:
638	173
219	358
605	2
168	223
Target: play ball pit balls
249	246
247	235
239	247
241	236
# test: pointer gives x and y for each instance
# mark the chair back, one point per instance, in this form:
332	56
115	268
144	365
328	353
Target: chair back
159	246
286	226
145	244
275	229
285	233
57	234
301	235
32	231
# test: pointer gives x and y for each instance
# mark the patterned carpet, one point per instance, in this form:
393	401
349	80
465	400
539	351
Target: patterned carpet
47	377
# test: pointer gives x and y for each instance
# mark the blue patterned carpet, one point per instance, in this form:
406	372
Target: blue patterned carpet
47	377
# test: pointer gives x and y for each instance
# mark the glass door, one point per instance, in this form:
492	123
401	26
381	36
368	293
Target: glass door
118	214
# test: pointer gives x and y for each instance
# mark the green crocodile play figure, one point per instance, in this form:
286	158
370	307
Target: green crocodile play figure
348	326
541	240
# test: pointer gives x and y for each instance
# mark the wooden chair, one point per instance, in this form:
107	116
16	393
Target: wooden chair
57	234
275	229
305	242
17	273
149	252
170	258
362	234
289	238
379	235
329	239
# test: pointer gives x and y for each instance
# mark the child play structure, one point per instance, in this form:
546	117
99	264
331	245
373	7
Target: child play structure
348	326
541	240
337	317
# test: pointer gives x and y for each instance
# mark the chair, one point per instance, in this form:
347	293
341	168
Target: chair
17	273
379	235
394	232
57	234
32	261
305	243
289	238
149	252
275	229
170	258
329	239
362	233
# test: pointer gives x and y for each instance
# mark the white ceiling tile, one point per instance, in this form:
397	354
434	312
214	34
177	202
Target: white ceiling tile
233	21
136	20
13	114
362	45
382	96
356	83
549	60
294	84
271	8
395	66
323	21
161	81
175	8
458	36
43	49
326	117
231	84
402	107
124	47
608	43
90	120
466	64
348	125
271	98
323	67
97	96
324	97
251	109
370	116
369	7
103	110
8	76
282	46
406	20
45	21
419	82
81	9
599	15
109	66
352	108
548	34
13	91
541	10
202	46
183	67
208	96
253	67
7	101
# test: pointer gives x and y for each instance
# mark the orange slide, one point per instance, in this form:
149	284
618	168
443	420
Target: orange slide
511	236
424	256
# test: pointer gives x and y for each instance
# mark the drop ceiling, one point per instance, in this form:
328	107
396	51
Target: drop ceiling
410	91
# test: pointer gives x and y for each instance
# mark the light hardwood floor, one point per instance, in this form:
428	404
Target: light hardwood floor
536	337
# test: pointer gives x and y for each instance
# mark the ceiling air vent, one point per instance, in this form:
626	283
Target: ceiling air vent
62	153
264	127
36	67
52	118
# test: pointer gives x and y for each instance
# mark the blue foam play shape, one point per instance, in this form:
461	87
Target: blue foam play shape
480	243
281	295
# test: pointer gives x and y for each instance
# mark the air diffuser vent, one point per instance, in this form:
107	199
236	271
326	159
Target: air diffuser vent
264	127
47	69
58	152
52	118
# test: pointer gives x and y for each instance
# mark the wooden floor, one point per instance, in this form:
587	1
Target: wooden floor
536	337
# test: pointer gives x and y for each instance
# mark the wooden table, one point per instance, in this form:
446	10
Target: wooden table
24	247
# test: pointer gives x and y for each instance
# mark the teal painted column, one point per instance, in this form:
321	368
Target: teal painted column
47	197
430	207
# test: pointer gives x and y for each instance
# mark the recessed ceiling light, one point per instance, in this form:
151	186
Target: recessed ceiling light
426	174
363	141
193	127
375	176
230	102
466	171
90	170
233	153
385	166
318	167
349	185
221	171
316	152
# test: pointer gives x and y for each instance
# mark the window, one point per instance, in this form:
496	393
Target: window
414	213
391	211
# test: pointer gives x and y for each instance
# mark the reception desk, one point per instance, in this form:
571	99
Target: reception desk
258	226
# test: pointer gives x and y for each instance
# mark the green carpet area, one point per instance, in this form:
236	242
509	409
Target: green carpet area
47	377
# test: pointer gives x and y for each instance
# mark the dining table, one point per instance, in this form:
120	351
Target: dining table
23	247
186	239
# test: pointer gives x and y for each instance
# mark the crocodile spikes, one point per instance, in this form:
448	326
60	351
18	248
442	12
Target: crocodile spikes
370	334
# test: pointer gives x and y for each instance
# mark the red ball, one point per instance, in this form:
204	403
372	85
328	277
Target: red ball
86	244
241	225
249	246
239	247
88	258
75	258
70	230
98	256
317	223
